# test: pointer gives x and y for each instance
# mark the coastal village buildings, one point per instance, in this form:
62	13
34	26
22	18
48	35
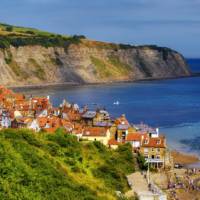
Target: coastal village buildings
38	114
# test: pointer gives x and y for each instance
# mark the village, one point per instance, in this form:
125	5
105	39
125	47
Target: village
38	114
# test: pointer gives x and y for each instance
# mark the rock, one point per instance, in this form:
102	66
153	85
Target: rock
88	62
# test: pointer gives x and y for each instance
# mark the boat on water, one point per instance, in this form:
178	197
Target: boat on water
116	103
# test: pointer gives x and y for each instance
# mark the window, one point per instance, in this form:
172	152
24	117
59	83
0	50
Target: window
123	135
158	142
158	157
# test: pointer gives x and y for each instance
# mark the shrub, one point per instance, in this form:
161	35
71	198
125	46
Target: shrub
43	40
54	149
99	146
9	28
30	32
141	162
60	137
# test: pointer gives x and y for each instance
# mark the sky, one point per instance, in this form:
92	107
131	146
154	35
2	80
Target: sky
171	23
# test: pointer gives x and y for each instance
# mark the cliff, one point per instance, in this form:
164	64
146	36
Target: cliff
28	57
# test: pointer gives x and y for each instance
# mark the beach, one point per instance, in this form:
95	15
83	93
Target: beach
184	159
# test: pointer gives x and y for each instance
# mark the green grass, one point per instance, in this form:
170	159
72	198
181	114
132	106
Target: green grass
26	31
21	36
57	166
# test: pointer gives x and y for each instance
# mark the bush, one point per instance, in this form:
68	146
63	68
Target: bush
99	146
54	149
46	41
113	177
9	28
141	162
63	139
30	32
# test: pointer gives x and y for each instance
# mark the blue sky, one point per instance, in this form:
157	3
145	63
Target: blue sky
171	23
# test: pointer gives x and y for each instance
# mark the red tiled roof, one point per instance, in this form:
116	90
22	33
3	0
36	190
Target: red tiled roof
51	130
112	141
42	121
158	142
135	136
95	131
122	120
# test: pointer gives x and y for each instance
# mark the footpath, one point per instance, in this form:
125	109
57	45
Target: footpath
140	186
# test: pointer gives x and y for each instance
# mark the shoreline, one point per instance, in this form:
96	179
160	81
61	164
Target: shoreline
185	159
62	84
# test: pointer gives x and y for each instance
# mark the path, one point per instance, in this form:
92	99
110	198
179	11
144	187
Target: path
139	185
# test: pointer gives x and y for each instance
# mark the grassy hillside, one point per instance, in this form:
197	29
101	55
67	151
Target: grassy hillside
42	166
21	36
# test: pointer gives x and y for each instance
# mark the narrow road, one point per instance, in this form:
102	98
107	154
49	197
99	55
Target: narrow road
138	183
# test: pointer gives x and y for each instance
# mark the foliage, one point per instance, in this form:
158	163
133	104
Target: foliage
117	165
141	162
21	36
9	28
57	166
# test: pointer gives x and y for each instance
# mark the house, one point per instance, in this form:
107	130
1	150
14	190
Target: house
51	124
121	128
5	121
87	117
113	144
39	103
78	130
154	150
135	139
100	134
101	116
21	122
34	125
71	113
67	125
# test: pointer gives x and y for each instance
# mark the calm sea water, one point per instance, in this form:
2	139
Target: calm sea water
173	105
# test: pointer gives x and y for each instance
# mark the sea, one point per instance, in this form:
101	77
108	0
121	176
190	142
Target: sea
172	105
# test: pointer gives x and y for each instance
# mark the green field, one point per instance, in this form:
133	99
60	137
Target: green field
21	36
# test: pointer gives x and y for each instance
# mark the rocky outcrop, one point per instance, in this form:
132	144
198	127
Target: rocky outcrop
88	62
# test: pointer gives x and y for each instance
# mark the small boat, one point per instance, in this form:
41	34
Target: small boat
116	103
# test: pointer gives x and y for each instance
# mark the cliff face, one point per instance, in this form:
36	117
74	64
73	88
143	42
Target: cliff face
88	62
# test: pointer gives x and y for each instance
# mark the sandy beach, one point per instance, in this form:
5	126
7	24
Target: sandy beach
183	158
